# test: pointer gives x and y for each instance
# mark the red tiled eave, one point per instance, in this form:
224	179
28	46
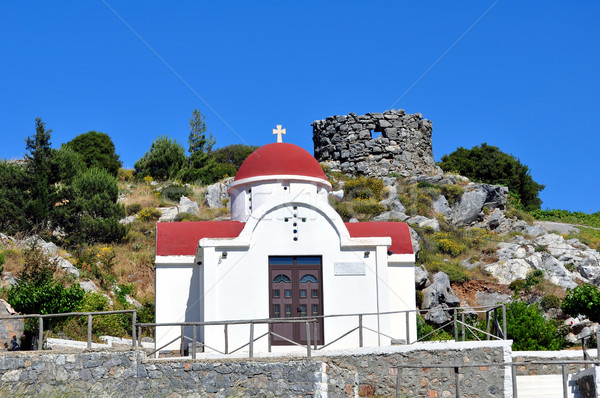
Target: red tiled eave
398	231
181	238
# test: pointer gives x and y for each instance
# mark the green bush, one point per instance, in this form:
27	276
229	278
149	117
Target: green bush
133	208
517	285
488	164
452	192
96	150
585	300
162	161
571	217
423	329
149	214
233	155
183	216
529	330
14	197
455	271
363	188
550	301
174	192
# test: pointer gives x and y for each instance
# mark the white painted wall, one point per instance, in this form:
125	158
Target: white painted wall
238	286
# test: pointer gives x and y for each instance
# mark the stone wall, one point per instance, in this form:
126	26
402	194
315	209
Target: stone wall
366	372
351	144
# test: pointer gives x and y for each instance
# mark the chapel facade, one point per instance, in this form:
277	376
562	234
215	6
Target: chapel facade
285	253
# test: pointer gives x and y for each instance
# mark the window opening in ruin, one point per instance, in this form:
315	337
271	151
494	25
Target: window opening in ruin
375	134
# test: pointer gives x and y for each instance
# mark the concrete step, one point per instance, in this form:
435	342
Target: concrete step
544	386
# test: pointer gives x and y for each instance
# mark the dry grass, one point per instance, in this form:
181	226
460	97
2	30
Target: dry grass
141	193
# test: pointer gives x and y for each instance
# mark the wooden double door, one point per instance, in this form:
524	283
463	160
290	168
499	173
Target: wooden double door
296	291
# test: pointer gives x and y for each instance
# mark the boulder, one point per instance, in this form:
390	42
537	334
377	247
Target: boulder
491	299
508	271
424	222
421	278
441	206
89	286
188	206
439	292
66	265
416	240
132	301
168	214
217	193
534	230
390	215
468	210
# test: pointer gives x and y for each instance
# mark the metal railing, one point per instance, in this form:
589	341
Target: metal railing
494	329
89	315
252	339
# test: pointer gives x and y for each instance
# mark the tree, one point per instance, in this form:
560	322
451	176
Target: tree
488	164
197	139
162	161
90	212
66	164
13	198
39	174
97	150
233	155
585	300
529	330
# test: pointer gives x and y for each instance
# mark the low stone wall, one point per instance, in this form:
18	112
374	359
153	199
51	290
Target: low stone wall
532	369
365	372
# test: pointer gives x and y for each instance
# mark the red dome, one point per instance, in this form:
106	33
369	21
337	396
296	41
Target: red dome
280	158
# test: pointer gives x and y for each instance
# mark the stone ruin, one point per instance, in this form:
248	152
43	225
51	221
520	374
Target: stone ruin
376	144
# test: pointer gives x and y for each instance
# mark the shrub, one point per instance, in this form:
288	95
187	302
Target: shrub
183	216
550	301
517	285
125	174
452	192
174	192
163	160
419	298
455	271
417	201
96	150
488	164
529	330
585	300
423	329
133	208
363	188
149	214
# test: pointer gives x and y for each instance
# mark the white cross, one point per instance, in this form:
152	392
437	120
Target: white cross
279	131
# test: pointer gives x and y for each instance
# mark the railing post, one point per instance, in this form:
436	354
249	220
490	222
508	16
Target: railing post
308	339
514	380
89	332
565	380
462	320
182	345
315	334
455	325
407	327
41	333
251	345
226	339
456	380
504	322
598	346
487	325
360	331
139	340
133	322
194	347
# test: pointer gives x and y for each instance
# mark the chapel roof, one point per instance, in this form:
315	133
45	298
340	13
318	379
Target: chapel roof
280	158
398	231
181	238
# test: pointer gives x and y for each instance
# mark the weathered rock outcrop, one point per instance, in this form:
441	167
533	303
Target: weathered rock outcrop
438	298
351	143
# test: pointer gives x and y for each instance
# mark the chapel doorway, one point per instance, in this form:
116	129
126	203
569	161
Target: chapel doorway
296	290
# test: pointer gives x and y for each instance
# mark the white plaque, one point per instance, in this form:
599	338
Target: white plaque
349	268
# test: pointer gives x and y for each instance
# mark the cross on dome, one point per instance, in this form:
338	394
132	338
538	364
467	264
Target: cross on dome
279	131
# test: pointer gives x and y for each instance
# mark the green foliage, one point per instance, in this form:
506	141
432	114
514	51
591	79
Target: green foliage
183	216
363	188
419	298
39	173
571	217
133	208
455	271
162	161
149	214
529	330
585	300
590	237
517	285
488	164
91	212
14	197
418	201
233	155
513	212
550	301
112	324
449	244
97	263
452	192
197	140
175	192
423	329
37	292
96	150
67	164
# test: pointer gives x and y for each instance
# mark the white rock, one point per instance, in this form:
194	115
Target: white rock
132	301
424	222
66	265
508	271
89	286
187	205
216	193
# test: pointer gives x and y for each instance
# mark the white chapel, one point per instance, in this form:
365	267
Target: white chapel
285	253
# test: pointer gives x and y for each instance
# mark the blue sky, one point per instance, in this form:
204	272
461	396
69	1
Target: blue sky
522	76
